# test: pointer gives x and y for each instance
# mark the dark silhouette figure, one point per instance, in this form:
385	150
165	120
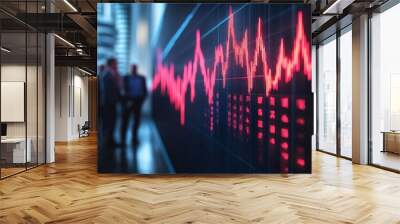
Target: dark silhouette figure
111	94
102	68
135	94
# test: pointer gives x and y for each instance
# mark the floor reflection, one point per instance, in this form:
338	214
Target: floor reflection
386	159
148	157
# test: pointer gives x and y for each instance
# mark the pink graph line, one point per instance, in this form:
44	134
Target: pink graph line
177	86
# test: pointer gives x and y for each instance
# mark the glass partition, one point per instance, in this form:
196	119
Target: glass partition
346	93
22	89
14	153
385	89
327	95
32	98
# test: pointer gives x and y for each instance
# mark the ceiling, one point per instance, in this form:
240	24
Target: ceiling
75	21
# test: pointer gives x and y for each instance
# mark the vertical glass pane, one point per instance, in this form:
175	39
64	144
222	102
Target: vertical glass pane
22	82
346	94
32	85
385	84
32	98
327	96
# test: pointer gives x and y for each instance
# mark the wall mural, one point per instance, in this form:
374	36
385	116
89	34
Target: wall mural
231	88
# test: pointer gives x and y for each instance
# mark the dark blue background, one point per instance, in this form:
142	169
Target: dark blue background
193	148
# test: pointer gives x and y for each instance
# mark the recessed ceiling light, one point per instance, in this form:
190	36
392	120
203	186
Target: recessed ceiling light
5	50
84	71
337	7
64	40
70	5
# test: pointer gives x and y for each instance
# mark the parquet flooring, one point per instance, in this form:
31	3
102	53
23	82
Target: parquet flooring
71	191
10	171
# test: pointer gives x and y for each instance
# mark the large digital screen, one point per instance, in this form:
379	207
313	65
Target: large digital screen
229	85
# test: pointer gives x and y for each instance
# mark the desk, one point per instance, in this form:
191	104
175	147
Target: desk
15	148
391	141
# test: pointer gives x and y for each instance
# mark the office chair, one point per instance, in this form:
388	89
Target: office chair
84	130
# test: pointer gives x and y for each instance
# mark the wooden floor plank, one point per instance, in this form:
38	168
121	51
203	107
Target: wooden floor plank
71	191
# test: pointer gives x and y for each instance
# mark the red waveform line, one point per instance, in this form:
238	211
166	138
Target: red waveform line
286	65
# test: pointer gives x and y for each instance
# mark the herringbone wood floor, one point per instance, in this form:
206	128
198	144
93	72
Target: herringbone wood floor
71	191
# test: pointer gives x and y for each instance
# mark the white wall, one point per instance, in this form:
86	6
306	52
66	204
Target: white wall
12	73
80	94
62	83
71	94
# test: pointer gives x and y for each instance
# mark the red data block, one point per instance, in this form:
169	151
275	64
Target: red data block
272	129
284	155
259	112
272	101
300	162
285	102
300	121
272	114
301	104
284	133
259	100
285	118
272	141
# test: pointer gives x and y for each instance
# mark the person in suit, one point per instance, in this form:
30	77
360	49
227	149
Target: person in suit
135	94
111	95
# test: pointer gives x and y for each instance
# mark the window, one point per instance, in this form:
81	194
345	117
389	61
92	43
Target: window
385	89
327	96
346	93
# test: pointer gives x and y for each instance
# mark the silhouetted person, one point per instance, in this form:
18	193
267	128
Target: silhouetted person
101	69
135	94
111	93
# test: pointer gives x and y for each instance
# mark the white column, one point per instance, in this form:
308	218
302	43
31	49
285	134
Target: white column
62	103
50	98
360	90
